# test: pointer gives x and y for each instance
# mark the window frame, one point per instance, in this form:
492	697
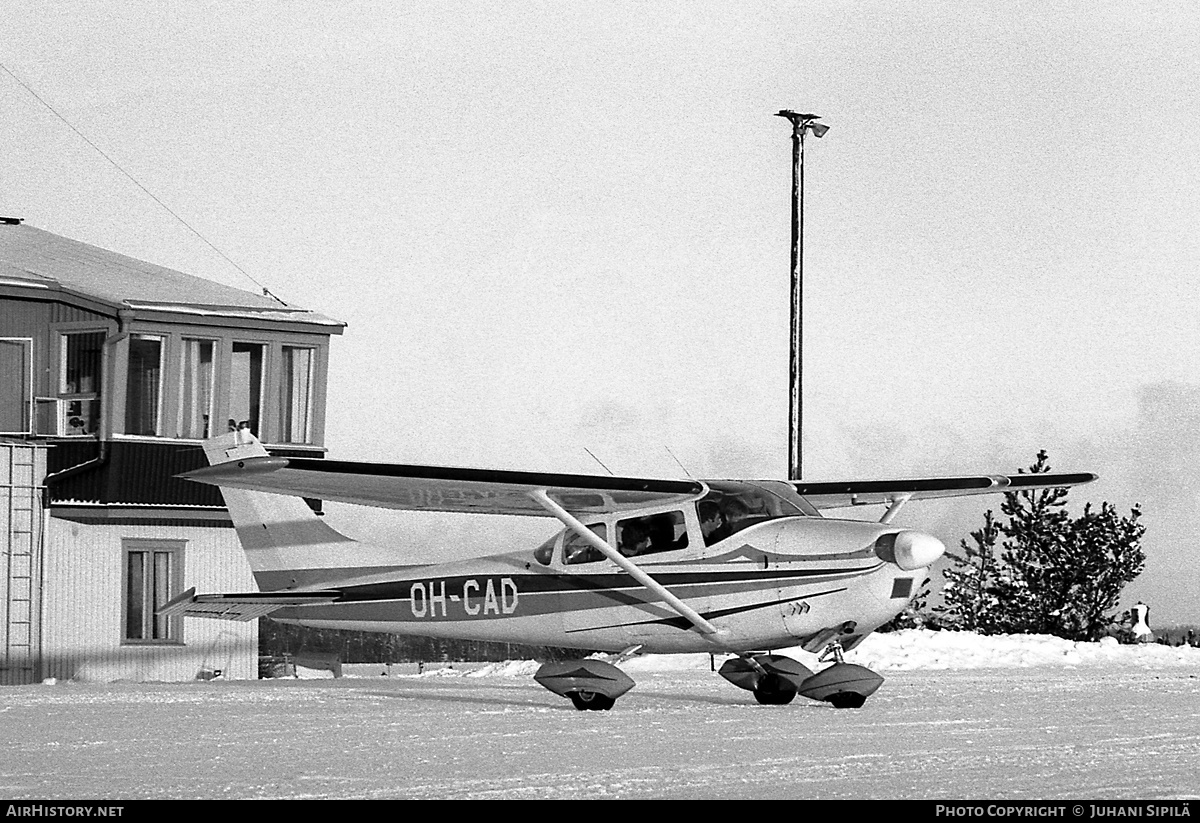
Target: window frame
64	398
263	427
160	393
173	626
183	412
285	385
29	404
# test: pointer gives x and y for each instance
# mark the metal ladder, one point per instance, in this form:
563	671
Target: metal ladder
20	567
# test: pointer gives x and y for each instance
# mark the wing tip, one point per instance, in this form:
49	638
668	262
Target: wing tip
234	468
1057	480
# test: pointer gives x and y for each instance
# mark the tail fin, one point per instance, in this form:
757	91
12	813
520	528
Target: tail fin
287	544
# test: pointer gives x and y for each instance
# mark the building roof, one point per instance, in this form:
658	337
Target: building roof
39	261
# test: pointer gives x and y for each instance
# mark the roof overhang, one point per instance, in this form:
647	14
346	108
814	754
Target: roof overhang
283	318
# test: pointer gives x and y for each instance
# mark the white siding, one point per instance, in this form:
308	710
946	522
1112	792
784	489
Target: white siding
82	613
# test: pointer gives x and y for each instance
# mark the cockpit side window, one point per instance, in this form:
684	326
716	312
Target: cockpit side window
577	550
712	520
788	501
730	507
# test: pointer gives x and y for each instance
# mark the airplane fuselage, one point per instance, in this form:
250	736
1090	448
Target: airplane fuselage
783	582
732	566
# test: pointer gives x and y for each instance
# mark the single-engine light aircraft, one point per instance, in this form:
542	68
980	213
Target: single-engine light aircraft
736	567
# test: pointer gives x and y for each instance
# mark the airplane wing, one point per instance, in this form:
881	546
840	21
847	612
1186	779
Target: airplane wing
845	494
443	489
241	607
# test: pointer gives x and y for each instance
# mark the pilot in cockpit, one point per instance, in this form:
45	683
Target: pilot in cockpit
712	522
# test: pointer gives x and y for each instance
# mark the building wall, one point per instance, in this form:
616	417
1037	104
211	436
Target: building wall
83	606
63	579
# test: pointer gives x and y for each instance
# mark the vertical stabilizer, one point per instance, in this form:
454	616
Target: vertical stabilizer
286	542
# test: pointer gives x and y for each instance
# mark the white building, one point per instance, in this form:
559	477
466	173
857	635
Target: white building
111	372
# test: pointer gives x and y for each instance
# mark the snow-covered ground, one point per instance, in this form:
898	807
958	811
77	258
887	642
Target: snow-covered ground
959	717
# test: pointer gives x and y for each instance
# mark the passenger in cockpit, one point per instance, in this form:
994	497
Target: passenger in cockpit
712	522
662	532
635	539
737	516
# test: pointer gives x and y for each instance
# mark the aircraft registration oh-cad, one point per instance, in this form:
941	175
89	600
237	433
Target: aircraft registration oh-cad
735	567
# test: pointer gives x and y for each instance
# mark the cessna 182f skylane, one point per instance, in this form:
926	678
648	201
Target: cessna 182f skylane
657	566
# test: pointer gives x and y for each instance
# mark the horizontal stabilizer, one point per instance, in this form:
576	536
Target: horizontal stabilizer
242	607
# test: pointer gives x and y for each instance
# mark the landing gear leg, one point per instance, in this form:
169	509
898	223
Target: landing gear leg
833	650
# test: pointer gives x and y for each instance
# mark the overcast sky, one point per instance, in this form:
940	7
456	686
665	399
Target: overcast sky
560	227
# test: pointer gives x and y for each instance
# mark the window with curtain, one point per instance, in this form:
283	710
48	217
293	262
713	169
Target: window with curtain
143	396
196	389
296	414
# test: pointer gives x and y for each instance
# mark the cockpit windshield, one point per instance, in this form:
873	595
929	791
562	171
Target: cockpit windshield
731	506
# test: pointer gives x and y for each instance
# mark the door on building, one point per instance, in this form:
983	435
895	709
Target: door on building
16	375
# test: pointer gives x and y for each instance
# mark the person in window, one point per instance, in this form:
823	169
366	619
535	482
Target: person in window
737	515
580	553
635	538
577	550
662	534
712	522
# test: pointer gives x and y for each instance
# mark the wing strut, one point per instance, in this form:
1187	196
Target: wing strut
586	534
896	503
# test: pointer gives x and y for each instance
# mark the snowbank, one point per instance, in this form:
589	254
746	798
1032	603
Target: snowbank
912	649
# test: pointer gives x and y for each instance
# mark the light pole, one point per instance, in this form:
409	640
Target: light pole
801	124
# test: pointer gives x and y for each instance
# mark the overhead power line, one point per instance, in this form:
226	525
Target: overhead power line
134	180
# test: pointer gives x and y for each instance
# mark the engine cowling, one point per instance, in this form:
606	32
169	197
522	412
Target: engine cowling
909	549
